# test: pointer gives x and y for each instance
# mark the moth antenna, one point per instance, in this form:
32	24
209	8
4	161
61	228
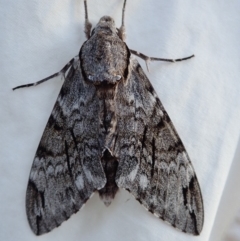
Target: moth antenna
122	30
88	25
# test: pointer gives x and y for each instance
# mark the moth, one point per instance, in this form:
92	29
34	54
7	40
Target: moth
109	130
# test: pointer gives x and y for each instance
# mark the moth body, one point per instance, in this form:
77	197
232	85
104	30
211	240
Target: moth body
104	63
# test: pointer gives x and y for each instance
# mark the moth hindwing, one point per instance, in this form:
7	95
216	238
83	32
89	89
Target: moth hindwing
109	130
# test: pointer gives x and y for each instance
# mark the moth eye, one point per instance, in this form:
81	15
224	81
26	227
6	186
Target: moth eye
118	77
90	77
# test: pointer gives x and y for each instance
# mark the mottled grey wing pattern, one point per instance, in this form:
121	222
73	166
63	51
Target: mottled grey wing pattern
67	167
153	163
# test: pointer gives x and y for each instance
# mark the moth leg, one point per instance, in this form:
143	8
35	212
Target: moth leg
122	30
61	72
88	25
147	59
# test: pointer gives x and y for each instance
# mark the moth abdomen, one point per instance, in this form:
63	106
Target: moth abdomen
110	165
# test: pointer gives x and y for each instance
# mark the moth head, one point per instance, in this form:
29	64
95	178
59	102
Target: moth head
106	25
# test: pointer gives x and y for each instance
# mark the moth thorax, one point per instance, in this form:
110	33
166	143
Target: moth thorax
104	58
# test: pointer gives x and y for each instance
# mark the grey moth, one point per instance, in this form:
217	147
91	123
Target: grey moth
109	130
